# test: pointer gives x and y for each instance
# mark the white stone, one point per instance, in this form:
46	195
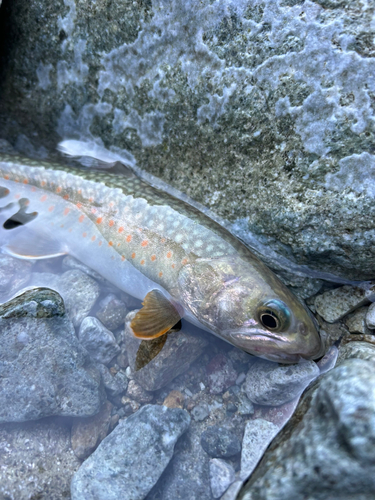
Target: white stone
221	476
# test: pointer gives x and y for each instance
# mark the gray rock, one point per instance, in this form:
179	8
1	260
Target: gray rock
370	316
272	385
99	342
114	384
43	369
244	405
78	290
220	374
200	411
356	321
131	459
258	435
255	108
88	433
220	442
136	392
327	448
361	350
36	460
14	275
175	357
112	312
221	475
337	303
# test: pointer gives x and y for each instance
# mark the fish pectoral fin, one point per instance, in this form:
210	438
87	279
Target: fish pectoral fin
157	316
29	244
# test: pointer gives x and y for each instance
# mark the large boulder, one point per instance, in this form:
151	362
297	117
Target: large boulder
262	110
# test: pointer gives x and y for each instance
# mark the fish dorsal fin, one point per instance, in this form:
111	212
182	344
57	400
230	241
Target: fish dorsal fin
30	244
157	316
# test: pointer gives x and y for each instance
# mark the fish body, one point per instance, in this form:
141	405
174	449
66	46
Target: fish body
146	241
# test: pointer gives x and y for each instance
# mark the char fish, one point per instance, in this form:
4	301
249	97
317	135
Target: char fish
177	260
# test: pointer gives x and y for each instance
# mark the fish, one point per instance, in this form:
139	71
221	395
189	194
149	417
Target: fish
156	247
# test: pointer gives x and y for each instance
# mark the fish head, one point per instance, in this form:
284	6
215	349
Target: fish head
249	307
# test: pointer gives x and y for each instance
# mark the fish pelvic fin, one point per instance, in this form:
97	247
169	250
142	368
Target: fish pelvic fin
157	316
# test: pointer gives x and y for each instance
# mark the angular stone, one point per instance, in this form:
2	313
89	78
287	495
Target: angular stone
131	459
270	384
220	442
99	342
136	392
220	374
221	476
327	449
114	384
356	321
43	370
360	350
88	433
78	290
258	435
37	460
178	352
244	405
337	303
370	316
111	312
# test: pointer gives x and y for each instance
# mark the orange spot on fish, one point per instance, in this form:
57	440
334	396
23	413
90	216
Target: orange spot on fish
17	196
93	238
142	262
173	266
51	208
110	243
79	191
99	220
111	223
58	189
16	180
144	243
43	198
81	218
133	255
163	240
66	211
70	230
79	205
111	204
33	189
93	210
25	181
153	258
100	243
129	238
66	197
122	258
160	274
169	255
184	261
84	235
91	200
120	229
43	183
118	244
6	177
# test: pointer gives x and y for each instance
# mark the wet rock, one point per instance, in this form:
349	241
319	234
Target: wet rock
220	442
138	449
36	460
258	435
232	491
356	321
70	263
99	342
360	350
14	275
113	384
270	384
88	433
136	392
200	412
370	316
175	399
78	290
43	371
327	448
220	374
178	352
335	304
112	312
244	405
221	476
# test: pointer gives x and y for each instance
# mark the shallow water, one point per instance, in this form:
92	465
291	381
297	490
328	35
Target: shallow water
192	370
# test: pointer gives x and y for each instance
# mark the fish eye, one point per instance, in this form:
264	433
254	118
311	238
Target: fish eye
274	315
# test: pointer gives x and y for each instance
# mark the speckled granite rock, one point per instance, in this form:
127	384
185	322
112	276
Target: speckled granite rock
262	110
221	476
112	312
176	355
361	350
37	461
271	384
130	460
43	369
356	321
99	342
327	448
220	442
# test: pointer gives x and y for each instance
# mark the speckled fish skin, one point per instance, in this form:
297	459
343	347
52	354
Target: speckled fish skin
141	239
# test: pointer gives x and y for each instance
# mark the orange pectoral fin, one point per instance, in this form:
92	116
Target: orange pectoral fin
156	317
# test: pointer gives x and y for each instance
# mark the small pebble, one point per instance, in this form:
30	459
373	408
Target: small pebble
220	442
200	412
127	402
175	399
356	321
136	392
